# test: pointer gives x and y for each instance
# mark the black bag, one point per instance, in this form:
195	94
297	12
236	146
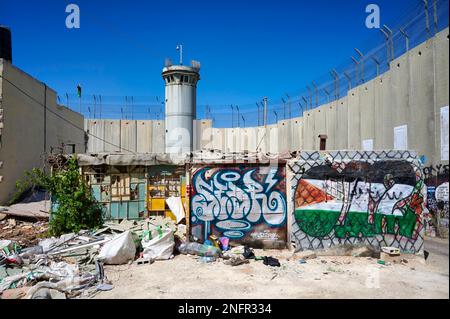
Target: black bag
248	253
270	261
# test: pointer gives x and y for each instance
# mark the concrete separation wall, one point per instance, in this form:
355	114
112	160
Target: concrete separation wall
28	130
410	94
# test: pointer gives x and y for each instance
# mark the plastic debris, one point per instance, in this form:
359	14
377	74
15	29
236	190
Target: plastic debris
119	250
158	244
199	249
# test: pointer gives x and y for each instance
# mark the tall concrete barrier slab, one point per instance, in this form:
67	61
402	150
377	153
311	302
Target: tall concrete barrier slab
144	136
422	125
158	137
354	119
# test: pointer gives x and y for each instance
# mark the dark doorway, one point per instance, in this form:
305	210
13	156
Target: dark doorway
323	142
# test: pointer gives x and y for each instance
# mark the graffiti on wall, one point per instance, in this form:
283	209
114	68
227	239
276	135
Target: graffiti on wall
436	179
245	203
358	198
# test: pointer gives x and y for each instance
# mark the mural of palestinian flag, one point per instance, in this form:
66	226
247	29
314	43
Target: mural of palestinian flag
362	202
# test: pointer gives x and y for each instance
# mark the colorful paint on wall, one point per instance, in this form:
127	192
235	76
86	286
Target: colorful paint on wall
246	203
358	198
436	179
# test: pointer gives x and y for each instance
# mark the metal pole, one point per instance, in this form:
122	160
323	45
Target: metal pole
357	69
232	116
310	97
95	105
101	106
427	18
403	32
349	80
334	83
316	92
301	108
388	52
238	123
306	102
289	105
327	94
337	83
378	65
276	116
391	36
435	16
126	107
265	111
257	107
284	108
361	60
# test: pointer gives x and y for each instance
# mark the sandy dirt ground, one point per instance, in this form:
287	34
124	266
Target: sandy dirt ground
323	277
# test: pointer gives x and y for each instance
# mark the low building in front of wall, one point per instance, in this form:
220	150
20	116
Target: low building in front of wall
134	186
314	200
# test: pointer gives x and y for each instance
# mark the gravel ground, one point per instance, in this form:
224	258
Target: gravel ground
324	277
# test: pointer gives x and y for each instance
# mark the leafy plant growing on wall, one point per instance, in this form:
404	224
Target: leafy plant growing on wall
75	208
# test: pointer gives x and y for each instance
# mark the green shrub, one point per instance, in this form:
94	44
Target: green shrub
76	207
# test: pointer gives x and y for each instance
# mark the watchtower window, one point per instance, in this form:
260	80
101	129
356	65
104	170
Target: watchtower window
186	79
168	79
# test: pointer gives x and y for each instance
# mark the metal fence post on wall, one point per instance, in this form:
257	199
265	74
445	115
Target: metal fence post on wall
265	111
361	61
306	102
377	64
427	18
349	80
316	93
405	35
327	93
388	51
357	68
391	37
310	97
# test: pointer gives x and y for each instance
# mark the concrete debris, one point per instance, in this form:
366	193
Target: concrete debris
392	251
236	260
306	254
23	232
362	251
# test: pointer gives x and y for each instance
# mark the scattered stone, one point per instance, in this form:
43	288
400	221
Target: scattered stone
306	254
363	251
323	261
2	216
392	251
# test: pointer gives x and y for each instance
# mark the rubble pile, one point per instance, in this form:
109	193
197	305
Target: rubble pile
25	233
69	266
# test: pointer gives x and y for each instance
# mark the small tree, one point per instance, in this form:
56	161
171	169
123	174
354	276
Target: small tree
76	207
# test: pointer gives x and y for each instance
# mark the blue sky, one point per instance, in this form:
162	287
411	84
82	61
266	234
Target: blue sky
248	49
